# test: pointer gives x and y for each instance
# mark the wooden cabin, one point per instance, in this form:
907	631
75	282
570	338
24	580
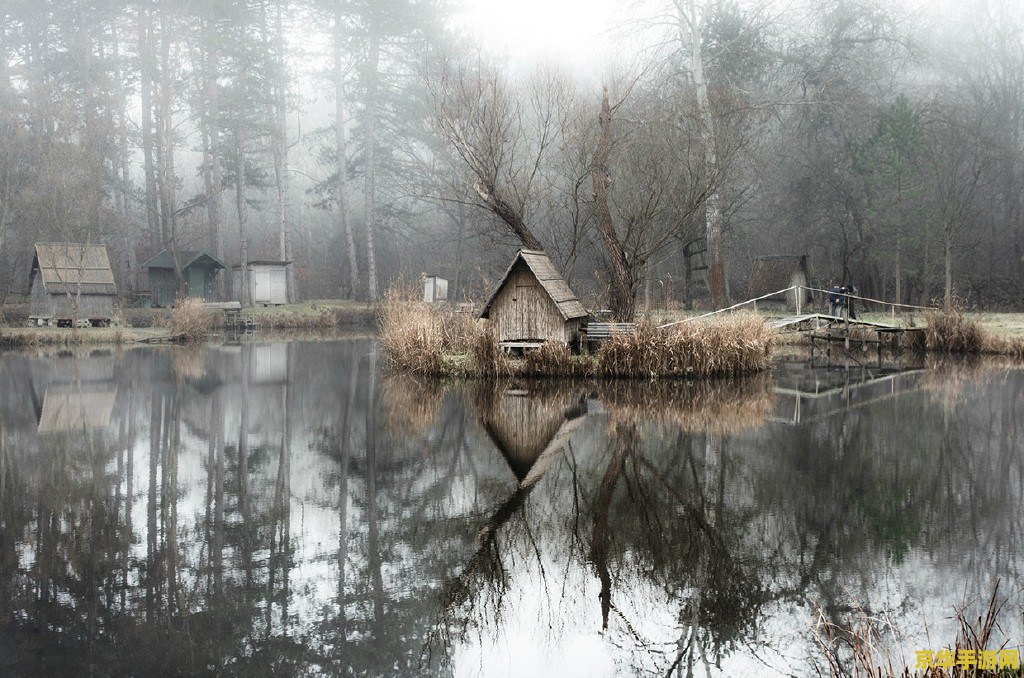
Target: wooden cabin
435	288
774	273
529	430
199	270
66	275
533	304
268	282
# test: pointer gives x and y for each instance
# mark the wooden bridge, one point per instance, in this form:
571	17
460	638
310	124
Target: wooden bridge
826	329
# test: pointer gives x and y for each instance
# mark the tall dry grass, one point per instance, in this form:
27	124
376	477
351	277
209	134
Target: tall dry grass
189	321
951	331
862	651
425	338
729	346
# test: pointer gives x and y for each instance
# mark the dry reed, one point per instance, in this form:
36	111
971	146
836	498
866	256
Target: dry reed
425	338
189	321
951	331
730	346
861	651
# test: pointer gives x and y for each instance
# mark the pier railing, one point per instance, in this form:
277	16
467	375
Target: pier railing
801	300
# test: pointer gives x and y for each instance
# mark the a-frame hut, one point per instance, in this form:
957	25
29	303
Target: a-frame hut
69	275
773	273
533	304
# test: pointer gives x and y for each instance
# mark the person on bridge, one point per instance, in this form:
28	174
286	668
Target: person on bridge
835	300
851	292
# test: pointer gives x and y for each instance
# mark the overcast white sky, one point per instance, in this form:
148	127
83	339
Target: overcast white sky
571	32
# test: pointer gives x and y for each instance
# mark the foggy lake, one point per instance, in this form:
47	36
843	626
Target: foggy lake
291	509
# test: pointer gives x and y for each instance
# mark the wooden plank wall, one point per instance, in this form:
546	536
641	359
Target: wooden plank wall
522	311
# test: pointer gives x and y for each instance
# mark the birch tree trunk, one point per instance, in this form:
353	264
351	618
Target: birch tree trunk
243	248
690	28
145	29
373	62
214	203
280	151
340	150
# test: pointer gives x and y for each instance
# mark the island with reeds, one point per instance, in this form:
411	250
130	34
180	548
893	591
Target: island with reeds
440	340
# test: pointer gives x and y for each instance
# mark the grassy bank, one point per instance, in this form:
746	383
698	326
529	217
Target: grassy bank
437	340
32	337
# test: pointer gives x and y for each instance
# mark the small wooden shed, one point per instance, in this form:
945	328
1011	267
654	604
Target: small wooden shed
773	273
268	281
198	268
64	275
532	304
435	288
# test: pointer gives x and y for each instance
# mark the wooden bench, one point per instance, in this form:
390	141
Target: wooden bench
594	333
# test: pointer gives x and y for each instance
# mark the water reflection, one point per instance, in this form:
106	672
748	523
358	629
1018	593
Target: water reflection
284	509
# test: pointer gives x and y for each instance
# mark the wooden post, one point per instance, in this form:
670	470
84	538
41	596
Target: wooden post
799	299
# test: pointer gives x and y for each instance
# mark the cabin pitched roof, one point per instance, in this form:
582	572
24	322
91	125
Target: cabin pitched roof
74	267
187	257
550	279
773	273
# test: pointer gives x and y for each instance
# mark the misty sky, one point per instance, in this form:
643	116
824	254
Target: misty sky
571	32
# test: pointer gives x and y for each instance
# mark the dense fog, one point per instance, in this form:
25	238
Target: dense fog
370	141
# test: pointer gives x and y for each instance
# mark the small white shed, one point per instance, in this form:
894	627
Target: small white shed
268	282
435	288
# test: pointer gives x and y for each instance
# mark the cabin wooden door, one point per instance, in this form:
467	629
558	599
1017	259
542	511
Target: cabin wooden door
528	305
196	282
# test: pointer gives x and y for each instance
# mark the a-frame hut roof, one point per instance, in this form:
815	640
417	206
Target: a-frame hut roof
773	273
550	279
187	257
74	267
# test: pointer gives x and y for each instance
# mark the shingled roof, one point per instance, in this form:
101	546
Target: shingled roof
551	280
73	268
186	257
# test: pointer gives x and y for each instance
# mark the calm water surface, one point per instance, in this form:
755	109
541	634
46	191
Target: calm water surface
289	509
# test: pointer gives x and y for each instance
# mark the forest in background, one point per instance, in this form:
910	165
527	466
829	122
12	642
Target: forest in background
372	140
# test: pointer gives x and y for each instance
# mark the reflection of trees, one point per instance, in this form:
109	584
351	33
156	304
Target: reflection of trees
233	520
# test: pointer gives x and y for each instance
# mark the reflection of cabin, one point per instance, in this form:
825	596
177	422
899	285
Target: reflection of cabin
533	304
269	363
530	430
66	274
77	407
435	288
198	270
774	273
268	282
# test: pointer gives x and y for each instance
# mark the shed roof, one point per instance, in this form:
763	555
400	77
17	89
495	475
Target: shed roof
74	267
550	279
262	262
773	273
187	257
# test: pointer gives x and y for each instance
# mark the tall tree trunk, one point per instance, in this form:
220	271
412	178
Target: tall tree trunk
243	249
690	25
165	142
281	154
122	170
145	28
341	154
373	62
214	202
623	290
